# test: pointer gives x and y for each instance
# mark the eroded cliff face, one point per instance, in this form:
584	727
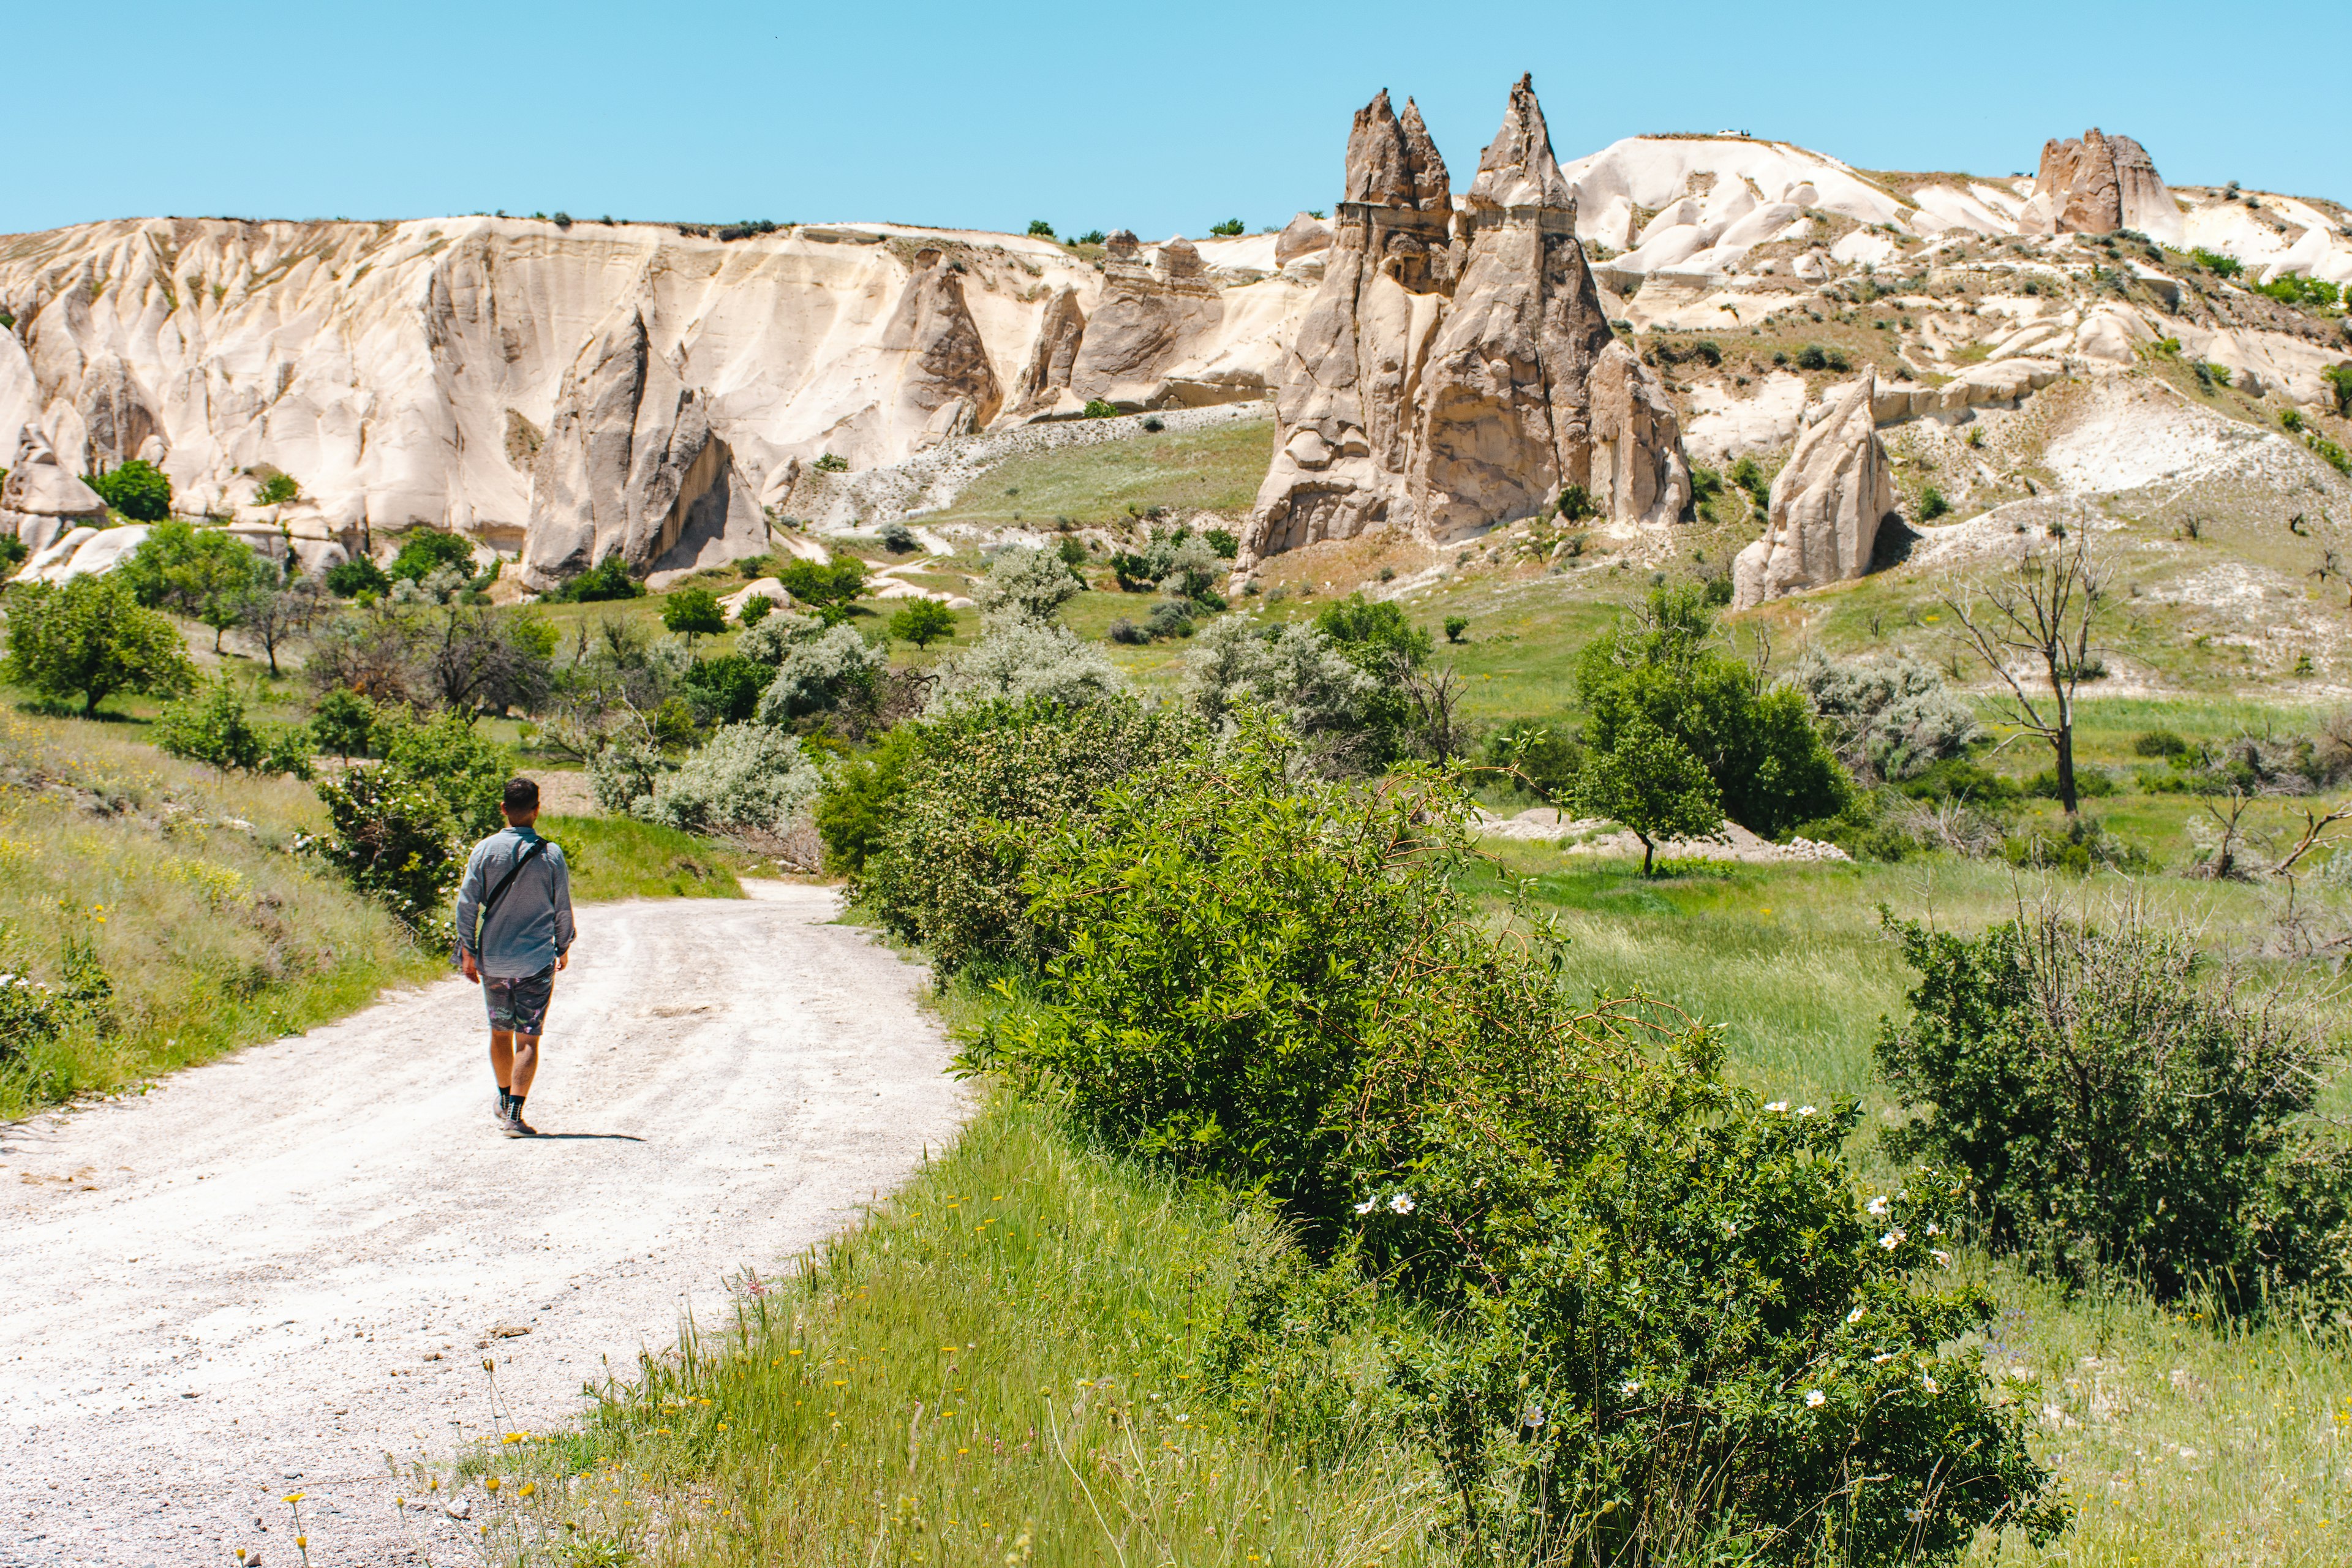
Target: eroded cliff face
1443	380
2099	185
626	388
1828	504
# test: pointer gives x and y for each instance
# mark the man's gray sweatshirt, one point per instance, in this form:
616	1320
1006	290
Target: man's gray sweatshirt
533	921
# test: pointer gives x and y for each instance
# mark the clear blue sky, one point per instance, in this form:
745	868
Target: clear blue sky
1158	118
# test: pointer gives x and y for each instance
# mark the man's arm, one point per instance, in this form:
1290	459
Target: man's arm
469	905
562	894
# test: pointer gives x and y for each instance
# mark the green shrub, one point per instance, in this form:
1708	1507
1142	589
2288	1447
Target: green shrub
824	674
1092	237
137	490
2126	1107
1932	504
2159	743
1227	229
1889	717
1455	627
394	839
860	798
1018	660
1661	1324
1544	753
448	755
90	637
2216	263
827	589
2339	383
1039	229
898	539
608	579
360	575
1749	476
980	779
1648	782
923	622
1096	408
726	690
276	490
211	727
756	608
1029	586
201	572
1769	764
747	782
1575	504
344	723
426	550
1818	356
829	463
692	613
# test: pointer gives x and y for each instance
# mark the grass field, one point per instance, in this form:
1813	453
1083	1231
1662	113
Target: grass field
1213	470
619	858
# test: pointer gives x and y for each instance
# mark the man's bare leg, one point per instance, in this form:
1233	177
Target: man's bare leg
525	1049
502	1043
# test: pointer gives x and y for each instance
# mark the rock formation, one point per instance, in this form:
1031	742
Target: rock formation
631	467
1046	374
948	385
42	500
1443	380
1302	236
1827	505
2097	186
1152	314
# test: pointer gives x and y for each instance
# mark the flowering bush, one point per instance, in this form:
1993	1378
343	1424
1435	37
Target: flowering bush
394	837
748	782
1663	1323
31	1015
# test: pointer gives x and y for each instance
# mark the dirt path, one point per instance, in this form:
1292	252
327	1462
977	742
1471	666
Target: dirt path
268	1273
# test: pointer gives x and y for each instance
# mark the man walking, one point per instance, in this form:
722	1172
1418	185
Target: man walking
514	931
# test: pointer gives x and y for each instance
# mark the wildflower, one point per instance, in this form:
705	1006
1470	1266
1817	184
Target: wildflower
1807	1110
1893	1239
1778	1107
1929	1384
1400	1203
1879	1207
527	1489
1883	1357
1535	1415
1855	1316
1943	1259
1935	1229
298	1496
1815	1399
1630	1389
1364	1207
490	1483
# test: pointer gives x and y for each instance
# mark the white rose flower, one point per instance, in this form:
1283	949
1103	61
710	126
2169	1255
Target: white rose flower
1400	1203
1806	1111
1893	1239
1364	1207
1879	1207
1777	1106
1630	1389
1855	1316
1815	1399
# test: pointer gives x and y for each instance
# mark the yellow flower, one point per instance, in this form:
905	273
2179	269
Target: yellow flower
302	1540
527	1489
490	1484
298	1496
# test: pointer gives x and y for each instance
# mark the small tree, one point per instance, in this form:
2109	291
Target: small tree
923	622
1029	586
341	721
2043	618
212	727
91	638
1227	229
608	579
395	838
275	616
1455	627
426	550
349	579
201	572
137	490
1040	229
1649	781
756	608
828	590
276	490
692	613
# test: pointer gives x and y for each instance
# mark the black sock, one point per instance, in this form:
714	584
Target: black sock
514	1106
506	1101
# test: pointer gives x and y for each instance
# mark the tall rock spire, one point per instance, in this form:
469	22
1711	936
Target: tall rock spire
1518	169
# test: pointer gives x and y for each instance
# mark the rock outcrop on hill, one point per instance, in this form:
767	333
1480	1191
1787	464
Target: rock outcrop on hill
2097	186
1302	236
1827	505
41	499
1444	379
1053	354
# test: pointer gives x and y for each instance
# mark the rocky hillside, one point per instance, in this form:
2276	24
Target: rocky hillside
1615	330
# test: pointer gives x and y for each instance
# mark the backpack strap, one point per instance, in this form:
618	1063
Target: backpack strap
482	921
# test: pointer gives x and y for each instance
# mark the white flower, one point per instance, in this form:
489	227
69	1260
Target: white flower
1815	1399
1535	1415
1883	1357
1400	1203
1893	1239
1364	1207
1931	1384
1879	1207
1935	1229
1777	1105
1855	1316
1943	1259
1629	1389
1805	1110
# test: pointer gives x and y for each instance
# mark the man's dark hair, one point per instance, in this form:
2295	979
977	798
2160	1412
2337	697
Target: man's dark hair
523	795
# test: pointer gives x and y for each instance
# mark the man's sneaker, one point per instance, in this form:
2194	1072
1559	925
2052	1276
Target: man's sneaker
518	1128
499	1110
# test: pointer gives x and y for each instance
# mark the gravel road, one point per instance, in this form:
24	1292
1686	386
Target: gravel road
268	1273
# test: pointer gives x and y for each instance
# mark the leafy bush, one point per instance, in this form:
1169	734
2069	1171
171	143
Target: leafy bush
772	641
2339	381
726	690
1648	782
1026	585
2125	1107
447	755
1191	571
1298	673
898	539
1092	237
608	579
821	674
692	613
2216	263
829	463
748	782
923	622
1020	661
394	837
344	723
1096	408
2310	292
1040	228
211	727
1455	627
1576	504
90	637
755	609
981	777
2159	743
201	572
860	799
137	490
624	772
1227	229
1662	1323
1889	717
828	590
1545	754
1818	356
425	551
1769	764
360	575
1932	504
276	490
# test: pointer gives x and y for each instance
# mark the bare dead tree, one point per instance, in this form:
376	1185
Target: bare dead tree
2315	825
2040	618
